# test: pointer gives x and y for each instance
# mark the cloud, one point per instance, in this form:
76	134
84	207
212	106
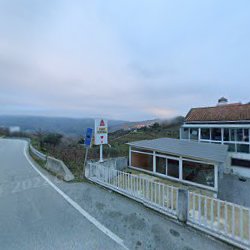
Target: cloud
124	60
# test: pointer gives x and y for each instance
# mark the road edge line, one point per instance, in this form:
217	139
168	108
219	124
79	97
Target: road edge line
89	217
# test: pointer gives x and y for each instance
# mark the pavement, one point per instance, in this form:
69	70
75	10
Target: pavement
42	212
234	189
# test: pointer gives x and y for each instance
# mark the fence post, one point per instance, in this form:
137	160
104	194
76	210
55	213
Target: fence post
182	212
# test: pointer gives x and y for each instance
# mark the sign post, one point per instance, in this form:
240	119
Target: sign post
101	135
87	145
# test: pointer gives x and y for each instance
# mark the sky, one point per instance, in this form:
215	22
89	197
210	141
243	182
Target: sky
127	60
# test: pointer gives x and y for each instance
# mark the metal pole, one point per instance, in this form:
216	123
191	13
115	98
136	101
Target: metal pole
101	153
85	161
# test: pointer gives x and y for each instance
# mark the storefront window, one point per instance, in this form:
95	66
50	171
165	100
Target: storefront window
205	133
216	134
143	161
242	148
231	134
239	134
231	147
173	168
246	135
200	173
226	134
161	165
194	133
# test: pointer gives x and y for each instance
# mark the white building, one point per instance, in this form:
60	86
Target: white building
224	123
14	129
187	162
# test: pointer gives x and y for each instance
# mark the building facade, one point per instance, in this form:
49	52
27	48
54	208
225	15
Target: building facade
187	162
227	124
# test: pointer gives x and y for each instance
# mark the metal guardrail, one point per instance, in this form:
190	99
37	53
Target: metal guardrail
38	153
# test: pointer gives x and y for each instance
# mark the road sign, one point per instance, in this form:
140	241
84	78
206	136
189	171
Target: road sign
88	137
101	132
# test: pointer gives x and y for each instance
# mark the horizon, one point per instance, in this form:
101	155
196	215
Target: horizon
130	61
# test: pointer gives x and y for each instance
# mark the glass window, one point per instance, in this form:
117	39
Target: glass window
197	172
231	134
184	133
246	135
173	168
240	163
161	165
231	147
226	134
239	134
242	148
205	133
194	133
142	161
216	134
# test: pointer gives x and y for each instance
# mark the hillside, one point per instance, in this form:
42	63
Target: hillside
65	126
75	126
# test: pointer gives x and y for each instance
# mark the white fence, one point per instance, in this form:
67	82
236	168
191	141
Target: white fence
152	194
224	220
227	220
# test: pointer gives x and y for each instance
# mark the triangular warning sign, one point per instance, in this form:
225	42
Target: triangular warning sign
102	123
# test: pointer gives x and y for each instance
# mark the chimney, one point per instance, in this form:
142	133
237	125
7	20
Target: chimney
222	101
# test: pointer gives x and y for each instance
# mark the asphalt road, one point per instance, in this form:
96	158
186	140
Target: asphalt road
33	215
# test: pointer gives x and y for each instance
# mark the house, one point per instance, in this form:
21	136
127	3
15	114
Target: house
226	124
189	162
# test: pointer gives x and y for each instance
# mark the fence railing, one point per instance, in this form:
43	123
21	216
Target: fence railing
37	153
156	195
224	218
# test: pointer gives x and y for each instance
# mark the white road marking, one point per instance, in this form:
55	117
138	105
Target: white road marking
90	218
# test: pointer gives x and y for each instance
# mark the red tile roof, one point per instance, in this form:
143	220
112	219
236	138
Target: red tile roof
221	113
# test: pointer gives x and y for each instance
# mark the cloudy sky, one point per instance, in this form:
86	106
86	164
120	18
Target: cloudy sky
131	60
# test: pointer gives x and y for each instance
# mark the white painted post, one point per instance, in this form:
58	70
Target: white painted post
182	212
101	153
216	177
222	135
199	134
130	155
154	162
180	168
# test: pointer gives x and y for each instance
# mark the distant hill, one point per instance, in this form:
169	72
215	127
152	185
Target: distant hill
66	126
75	126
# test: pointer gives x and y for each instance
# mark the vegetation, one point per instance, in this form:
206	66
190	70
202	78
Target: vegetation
71	151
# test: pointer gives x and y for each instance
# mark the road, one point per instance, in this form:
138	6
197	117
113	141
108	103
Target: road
34	215
41	212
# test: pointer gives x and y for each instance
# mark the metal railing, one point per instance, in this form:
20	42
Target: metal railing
227	220
153	194
224	220
37	153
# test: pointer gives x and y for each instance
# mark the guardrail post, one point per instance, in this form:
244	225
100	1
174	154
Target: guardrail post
182	212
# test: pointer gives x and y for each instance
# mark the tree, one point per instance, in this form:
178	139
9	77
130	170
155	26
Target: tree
52	139
40	136
155	125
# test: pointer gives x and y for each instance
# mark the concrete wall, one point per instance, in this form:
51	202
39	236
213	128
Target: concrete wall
59	168
237	170
54	165
118	163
